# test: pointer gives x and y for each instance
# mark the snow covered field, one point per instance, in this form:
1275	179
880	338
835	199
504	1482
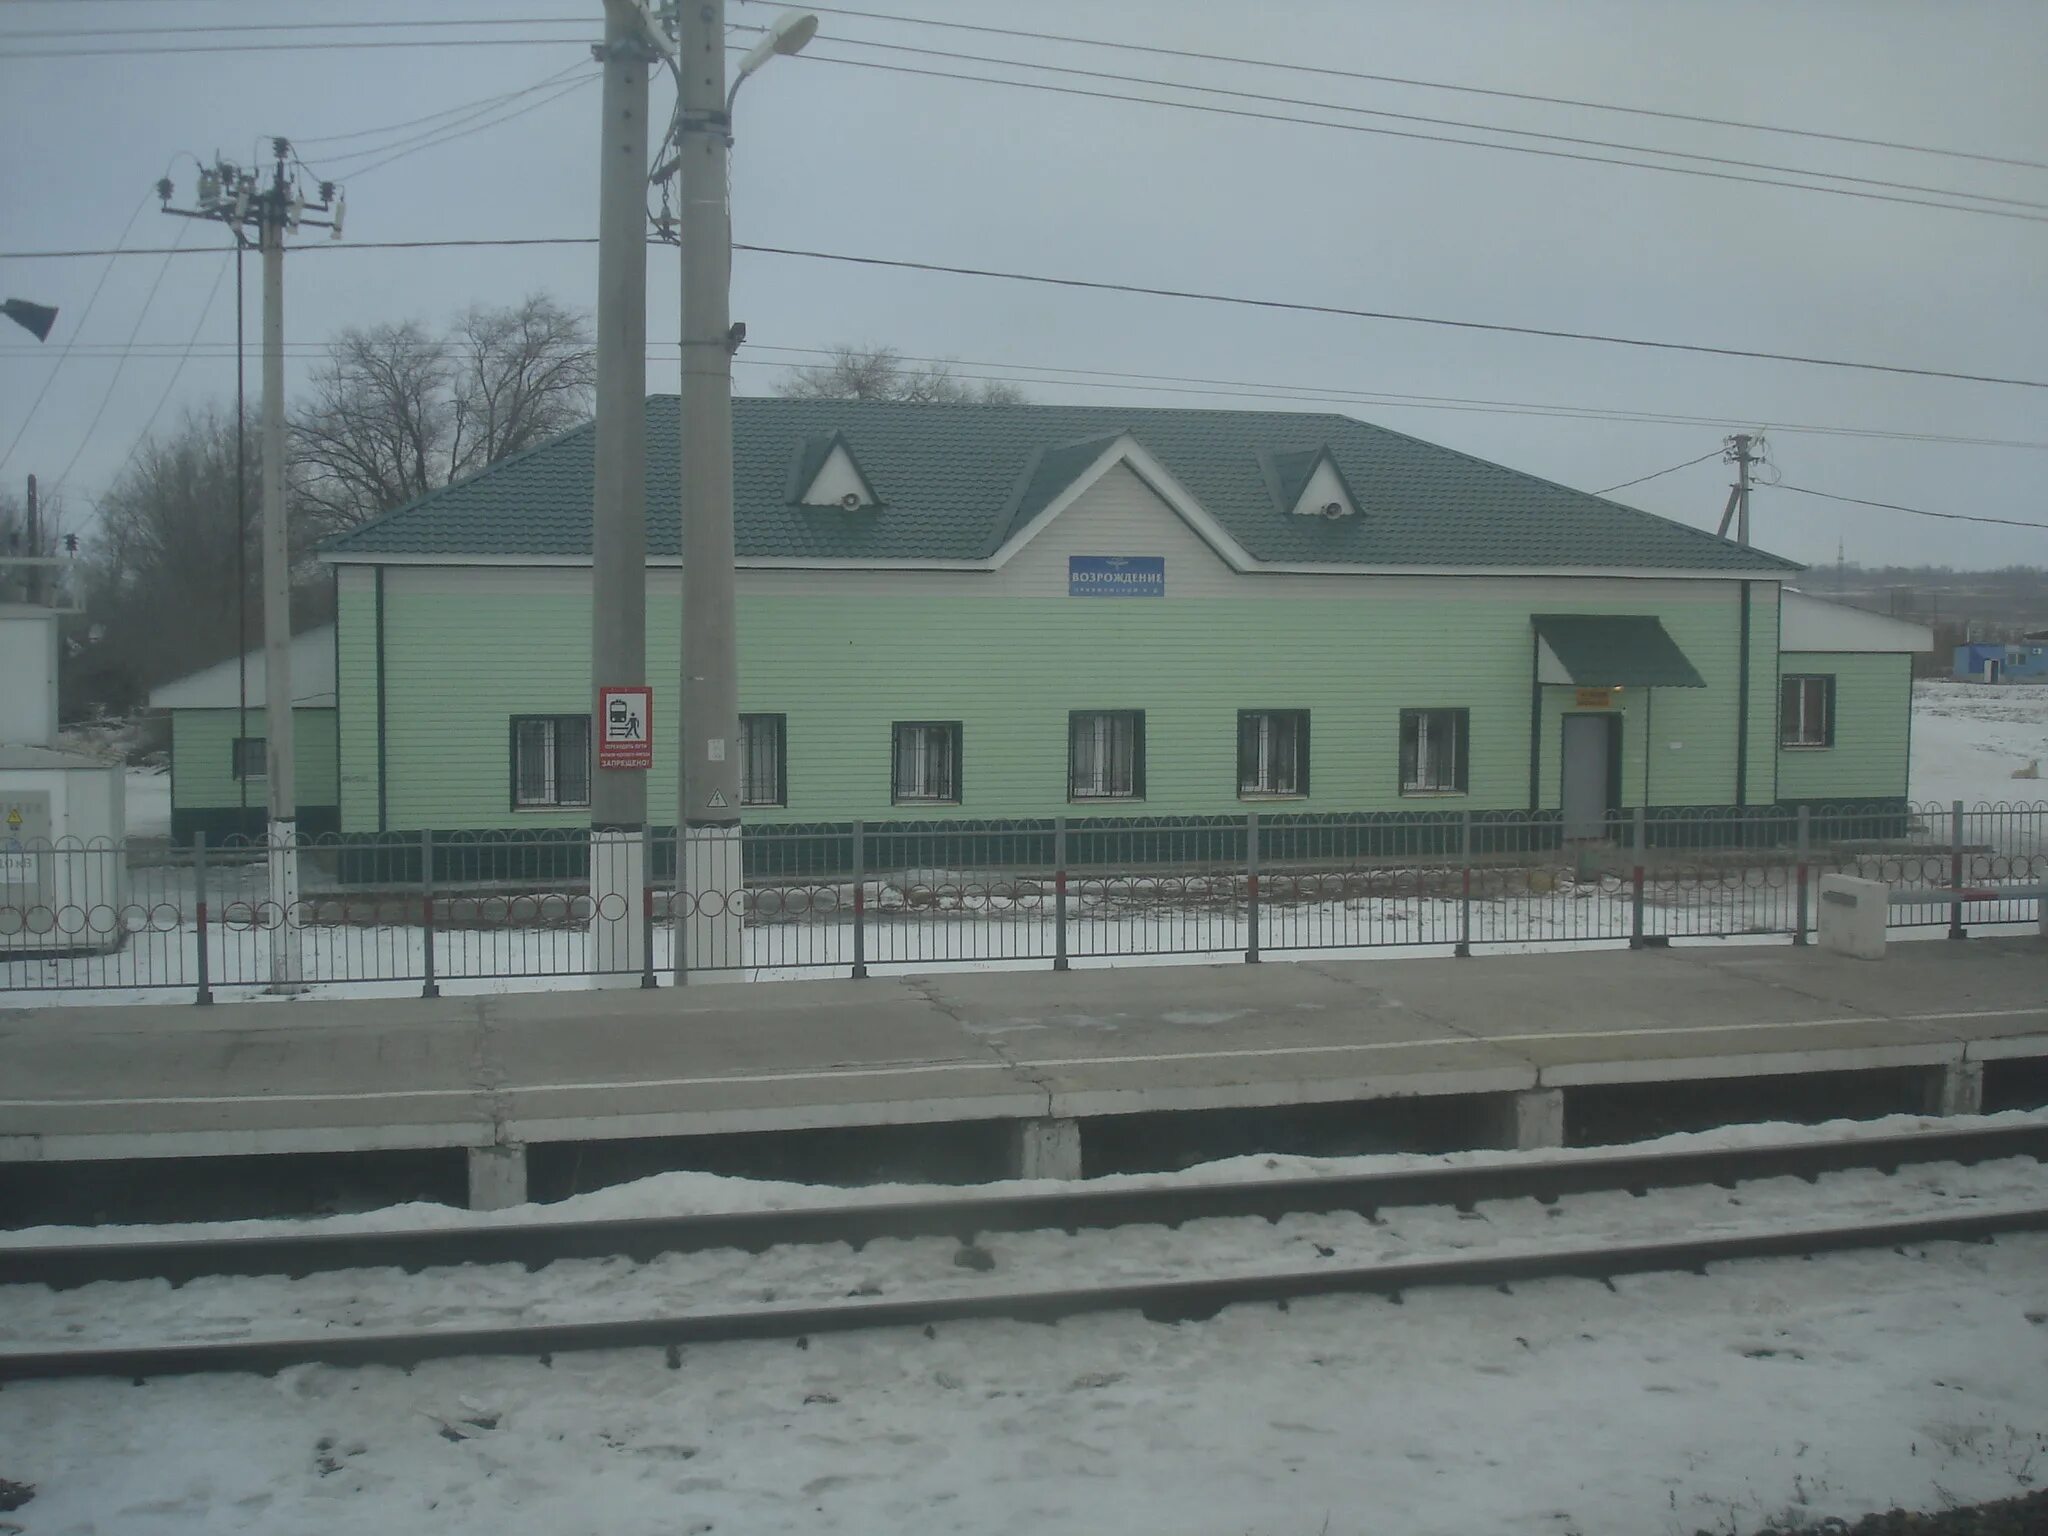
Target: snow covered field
1668	1405
1969	739
149	803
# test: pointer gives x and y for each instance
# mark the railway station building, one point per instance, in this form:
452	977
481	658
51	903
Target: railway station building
1027	611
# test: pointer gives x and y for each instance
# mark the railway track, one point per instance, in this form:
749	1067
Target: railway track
972	1216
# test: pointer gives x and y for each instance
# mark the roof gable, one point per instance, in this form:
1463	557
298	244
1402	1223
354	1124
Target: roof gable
1308	483
1060	478
965	480
826	474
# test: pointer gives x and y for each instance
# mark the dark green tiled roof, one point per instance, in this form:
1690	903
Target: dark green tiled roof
1617	650
959	479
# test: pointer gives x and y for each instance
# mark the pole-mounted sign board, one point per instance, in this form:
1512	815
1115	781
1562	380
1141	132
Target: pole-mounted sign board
625	727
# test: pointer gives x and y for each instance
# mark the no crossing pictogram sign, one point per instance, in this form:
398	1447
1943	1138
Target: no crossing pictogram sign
625	727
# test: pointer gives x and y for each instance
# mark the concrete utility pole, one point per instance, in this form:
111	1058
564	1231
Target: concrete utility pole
708	804
232	196
1738	448
618	545
711	881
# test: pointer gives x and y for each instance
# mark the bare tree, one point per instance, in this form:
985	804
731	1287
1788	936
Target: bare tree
159	568
396	411
882	373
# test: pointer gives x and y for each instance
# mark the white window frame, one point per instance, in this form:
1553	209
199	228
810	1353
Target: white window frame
930	751
1805	734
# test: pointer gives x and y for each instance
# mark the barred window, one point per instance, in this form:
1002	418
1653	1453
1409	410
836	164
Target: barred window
550	760
763	773
1433	750
250	760
1806	711
1106	755
926	761
1272	752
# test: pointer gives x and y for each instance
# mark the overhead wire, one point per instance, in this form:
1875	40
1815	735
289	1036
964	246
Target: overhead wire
449	133
92	300
1412	117
184	357
1660	473
1250	114
1892	506
1333	72
114	381
1300	307
1104	285
1062	375
300	141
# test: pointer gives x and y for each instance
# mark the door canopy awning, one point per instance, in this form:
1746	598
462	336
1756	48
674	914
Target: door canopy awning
1610	650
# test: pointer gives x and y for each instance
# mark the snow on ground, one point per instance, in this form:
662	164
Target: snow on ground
895	1270
1671	1404
149	802
1969	738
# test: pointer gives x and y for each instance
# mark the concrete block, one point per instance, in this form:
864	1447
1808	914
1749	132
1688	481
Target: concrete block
1956	1089
1853	914
1046	1149
497	1178
1527	1120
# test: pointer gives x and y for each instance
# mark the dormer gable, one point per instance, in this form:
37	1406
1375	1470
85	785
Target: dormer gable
827	475
1307	483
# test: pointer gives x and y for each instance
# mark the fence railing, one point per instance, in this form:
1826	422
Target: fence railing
519	909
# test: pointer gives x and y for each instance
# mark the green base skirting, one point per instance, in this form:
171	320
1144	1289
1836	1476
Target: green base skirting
225	824
824	850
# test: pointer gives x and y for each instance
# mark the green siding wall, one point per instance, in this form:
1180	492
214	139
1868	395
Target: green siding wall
202	758
1873	709
467	650
355	650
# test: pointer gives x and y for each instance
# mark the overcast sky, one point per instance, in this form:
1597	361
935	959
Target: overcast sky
856	160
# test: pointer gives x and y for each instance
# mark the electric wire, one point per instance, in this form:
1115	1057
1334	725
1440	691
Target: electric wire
184	357
451	132
1660	473
1579	103
91	301
1411	117
1250	114
115	379
1892	506
1104	285
301	141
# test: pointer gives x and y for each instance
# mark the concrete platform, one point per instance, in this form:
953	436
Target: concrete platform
1038	1049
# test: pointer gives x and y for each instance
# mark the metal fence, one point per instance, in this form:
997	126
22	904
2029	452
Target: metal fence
514	910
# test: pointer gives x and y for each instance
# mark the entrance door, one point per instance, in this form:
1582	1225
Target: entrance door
1588	774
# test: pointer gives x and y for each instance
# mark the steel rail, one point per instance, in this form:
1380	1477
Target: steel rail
1081	1206
1158	1300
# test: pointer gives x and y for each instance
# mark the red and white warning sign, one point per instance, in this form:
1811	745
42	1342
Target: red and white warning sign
625	727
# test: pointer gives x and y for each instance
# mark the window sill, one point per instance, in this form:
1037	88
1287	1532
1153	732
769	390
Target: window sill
550	810
1435	794
1271	794
1805	746
1105	799
921	800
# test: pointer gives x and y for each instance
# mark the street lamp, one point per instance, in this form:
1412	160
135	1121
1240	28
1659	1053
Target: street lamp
788	33
37	319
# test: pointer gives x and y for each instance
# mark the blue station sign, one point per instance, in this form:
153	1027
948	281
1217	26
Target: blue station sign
1116	575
